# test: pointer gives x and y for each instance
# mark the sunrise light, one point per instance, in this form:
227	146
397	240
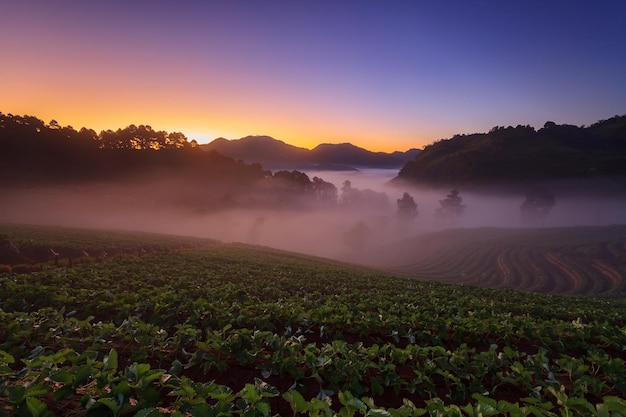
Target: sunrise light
380	76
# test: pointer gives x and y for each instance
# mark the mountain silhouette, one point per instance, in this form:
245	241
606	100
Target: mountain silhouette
276	154
264	150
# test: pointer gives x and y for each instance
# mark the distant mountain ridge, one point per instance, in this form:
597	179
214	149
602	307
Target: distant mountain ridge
276	154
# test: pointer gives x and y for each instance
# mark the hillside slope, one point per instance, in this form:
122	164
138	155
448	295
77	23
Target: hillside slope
201	328
522	155
35	154
575	260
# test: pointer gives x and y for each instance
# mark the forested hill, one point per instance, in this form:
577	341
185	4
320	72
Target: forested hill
524	155
138	167
35	153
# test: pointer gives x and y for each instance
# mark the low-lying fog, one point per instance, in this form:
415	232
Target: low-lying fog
338	232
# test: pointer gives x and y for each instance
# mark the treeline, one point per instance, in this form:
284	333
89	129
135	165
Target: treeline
522	154
36	154
33	153
26	129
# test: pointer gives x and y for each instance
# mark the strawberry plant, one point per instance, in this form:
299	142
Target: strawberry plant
202	328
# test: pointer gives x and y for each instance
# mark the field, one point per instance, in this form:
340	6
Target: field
98	323
577	260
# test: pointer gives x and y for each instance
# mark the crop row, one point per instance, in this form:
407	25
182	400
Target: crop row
524	268
252	331
578	260
208	285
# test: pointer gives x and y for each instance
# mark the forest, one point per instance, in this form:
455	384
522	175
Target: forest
35	154
521	155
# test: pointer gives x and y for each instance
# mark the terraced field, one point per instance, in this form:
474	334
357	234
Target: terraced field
167	326
579	260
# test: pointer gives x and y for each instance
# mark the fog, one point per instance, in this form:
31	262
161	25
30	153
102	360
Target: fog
338	232
373	179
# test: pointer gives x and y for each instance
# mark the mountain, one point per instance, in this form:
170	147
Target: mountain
258	149
276	154
408	155
523	155
348	154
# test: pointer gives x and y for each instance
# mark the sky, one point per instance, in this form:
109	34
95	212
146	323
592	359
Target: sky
383	75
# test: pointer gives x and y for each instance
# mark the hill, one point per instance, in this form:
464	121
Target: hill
573	260
264	150
35	153
522	155
138	168
348	154
276	154
203	328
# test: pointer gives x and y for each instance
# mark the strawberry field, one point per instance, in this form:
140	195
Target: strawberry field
577	260
146	325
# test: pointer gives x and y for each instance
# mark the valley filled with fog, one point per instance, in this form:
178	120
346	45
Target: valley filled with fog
339	231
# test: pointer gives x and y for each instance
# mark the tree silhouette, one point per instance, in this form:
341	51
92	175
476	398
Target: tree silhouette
324	191
450	208
293	181
536	207
348	194
407	208
142	137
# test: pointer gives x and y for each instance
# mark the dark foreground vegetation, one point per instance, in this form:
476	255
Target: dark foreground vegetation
169	326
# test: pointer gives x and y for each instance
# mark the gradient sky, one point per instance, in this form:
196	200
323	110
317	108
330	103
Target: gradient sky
384	75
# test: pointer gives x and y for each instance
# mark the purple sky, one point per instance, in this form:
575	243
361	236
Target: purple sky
385	75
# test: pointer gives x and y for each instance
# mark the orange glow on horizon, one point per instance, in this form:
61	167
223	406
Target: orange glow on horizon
377	79
100	97
99	117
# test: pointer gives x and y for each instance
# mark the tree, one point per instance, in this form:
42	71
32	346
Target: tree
324	191
366	198
142	137
348	194
536	207
450	208
87	135
407	208
293	181
175	140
